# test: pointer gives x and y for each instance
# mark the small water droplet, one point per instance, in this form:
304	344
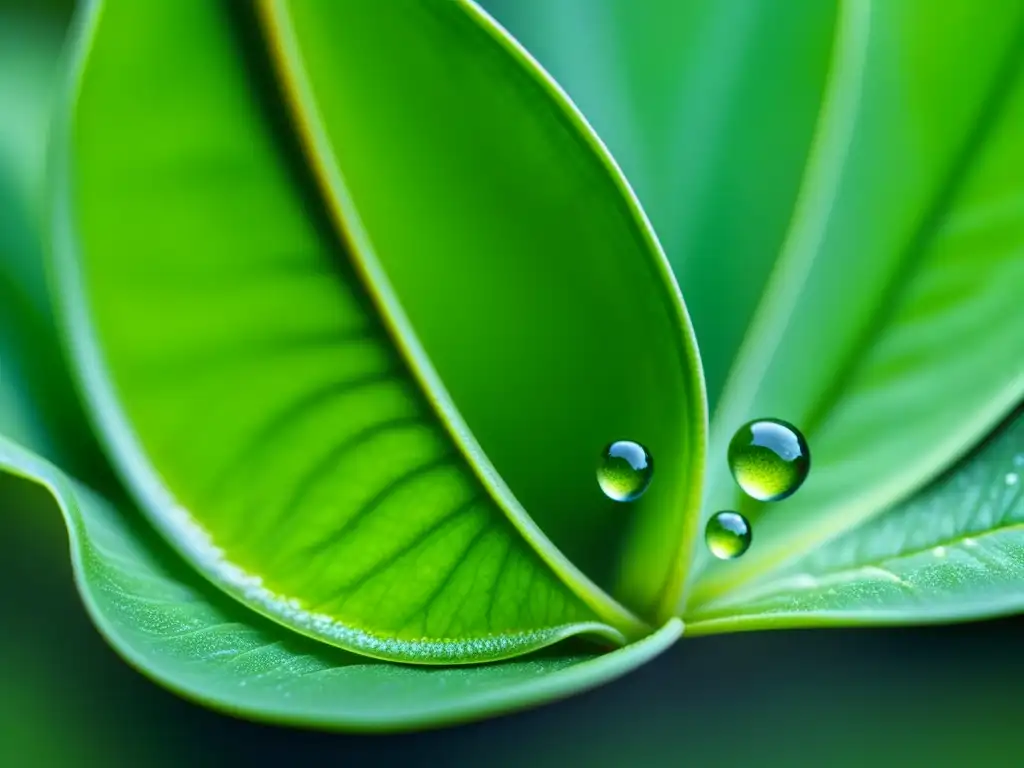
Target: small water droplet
625	470
769	459
727	535
1018	460
1011	478
970	543
939	552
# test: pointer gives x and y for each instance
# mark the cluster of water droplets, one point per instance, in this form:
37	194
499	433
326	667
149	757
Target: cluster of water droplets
769	460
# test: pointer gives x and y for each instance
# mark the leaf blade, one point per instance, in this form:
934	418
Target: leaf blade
242	540
322	491
691	97
371	169
951	553
179	630
915	273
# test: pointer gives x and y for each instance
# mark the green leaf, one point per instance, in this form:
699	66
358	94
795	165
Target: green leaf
583	326
898	167
953	552
709	106
255	373
38	406
890	330
187	635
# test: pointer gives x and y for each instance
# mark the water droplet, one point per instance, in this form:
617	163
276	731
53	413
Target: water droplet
1018	460
625	470
727	535
769	459
1011	478
939	552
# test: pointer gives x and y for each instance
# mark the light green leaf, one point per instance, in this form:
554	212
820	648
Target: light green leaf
907	227
260	387
514	213
953	552
891	329
187	635
709	106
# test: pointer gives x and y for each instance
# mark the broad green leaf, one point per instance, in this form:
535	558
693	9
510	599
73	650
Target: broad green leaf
259	385
612	58
187	635
709	106
953	552
891	330
515	215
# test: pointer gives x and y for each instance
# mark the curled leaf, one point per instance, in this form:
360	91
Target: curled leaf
341	420
186	634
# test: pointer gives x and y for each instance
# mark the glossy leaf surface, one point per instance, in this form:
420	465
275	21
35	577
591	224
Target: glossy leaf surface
186	634
953	552
521	264
891	332
167	621
710	106
903	245
261	387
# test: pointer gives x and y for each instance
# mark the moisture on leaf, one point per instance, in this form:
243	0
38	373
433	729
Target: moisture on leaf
338	420
353	295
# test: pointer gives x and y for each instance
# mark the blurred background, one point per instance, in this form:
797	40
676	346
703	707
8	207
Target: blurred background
917	696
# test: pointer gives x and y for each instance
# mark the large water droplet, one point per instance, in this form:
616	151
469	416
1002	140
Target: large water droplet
769	459
727	535
625	470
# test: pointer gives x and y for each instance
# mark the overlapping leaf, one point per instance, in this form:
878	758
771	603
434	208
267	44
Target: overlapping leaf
338	371
710	108
891	332
557	330
889	329
953	552
289	411
168	621
185	633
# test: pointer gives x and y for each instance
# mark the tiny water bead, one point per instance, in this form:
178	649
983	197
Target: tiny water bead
728	535
625	470
769	459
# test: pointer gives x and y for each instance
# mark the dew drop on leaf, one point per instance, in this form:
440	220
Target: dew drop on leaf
769	459
625	470
727	535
